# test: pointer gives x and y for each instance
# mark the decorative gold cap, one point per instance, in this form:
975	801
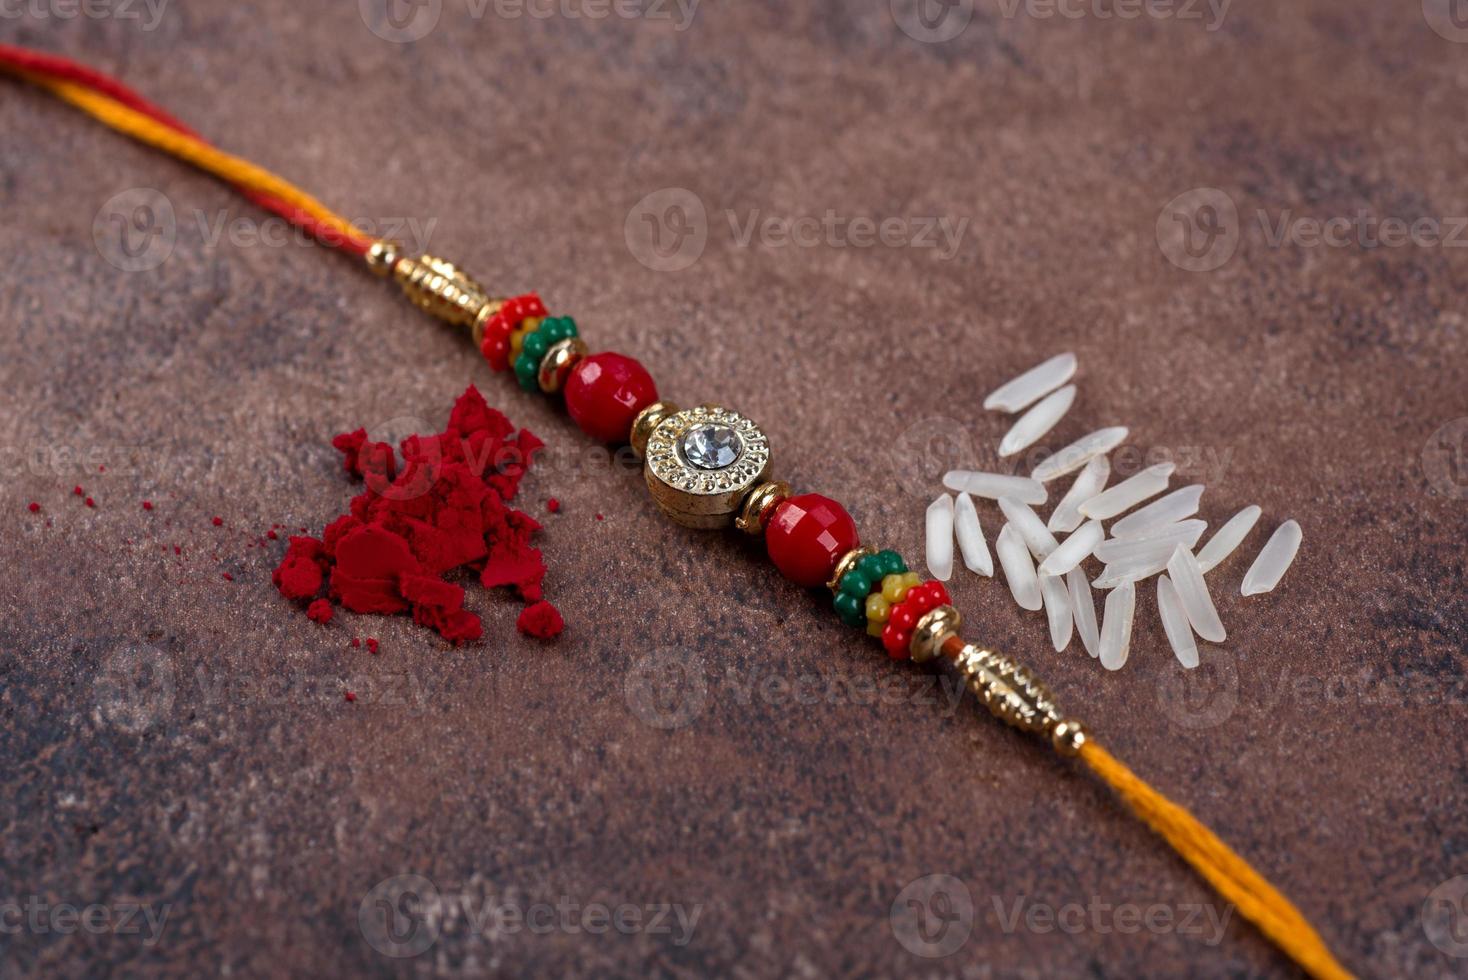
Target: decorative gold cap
382	256
757	506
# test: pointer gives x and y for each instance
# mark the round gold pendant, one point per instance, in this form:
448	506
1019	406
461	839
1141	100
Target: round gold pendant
701	462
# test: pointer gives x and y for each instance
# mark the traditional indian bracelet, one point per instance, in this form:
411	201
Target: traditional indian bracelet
707	467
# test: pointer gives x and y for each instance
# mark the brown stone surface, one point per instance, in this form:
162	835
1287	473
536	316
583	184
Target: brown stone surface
179	740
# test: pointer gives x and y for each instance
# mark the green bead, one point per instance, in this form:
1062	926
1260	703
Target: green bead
526	370
892	563
850	609
871	567
571	330
856	585
536	344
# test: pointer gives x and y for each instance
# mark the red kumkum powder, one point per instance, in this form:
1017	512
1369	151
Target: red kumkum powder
444	507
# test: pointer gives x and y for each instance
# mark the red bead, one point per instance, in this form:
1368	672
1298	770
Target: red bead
605	392
905	617
806	536
496	351
895	641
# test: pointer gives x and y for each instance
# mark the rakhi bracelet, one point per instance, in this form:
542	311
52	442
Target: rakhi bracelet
706	467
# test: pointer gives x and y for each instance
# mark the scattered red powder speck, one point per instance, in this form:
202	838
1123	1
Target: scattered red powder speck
437	505
371	644
350	696
90	502
600	518
177	550
218	521
78	492
147	505
320	611
553	505
228	577
356	641
34	508
541	620
101	469
272	535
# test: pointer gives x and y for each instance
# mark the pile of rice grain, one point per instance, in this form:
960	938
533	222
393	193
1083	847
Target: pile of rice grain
1043	559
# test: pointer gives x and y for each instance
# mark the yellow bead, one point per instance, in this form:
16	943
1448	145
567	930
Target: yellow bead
892	589
875	628
517	338
878	608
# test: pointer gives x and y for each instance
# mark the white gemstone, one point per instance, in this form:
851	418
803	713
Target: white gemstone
711	446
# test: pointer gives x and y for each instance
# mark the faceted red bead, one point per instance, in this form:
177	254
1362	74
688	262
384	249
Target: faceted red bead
605	392
807	535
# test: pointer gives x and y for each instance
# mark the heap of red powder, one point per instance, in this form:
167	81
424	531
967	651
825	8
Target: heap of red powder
443	507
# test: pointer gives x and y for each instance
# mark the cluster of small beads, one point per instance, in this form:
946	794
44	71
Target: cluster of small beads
533	340
855	590
919	601
504	325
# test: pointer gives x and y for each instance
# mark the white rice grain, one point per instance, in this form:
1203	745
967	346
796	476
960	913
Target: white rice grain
1175	623
940	538
1034	384
1073	550
1158	545
1090	481
1128	493
1019	570
1159	513
971	543
1187	578
1057	610
1079	453
1116	626
1274	560
992	486
1039	420
1083	610
1229	537
1135	571
1024	520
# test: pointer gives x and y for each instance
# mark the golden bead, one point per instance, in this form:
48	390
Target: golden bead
556	365
1068	737
382	256
757	506
847	563
932	631
647	420
878	608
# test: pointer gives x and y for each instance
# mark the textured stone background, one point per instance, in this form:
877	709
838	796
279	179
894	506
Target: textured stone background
178	740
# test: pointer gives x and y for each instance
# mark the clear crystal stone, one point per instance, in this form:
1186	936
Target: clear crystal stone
711	446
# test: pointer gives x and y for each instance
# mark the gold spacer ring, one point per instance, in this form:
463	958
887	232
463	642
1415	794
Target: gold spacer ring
556	365
647	420
932	631
847	563
757	506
